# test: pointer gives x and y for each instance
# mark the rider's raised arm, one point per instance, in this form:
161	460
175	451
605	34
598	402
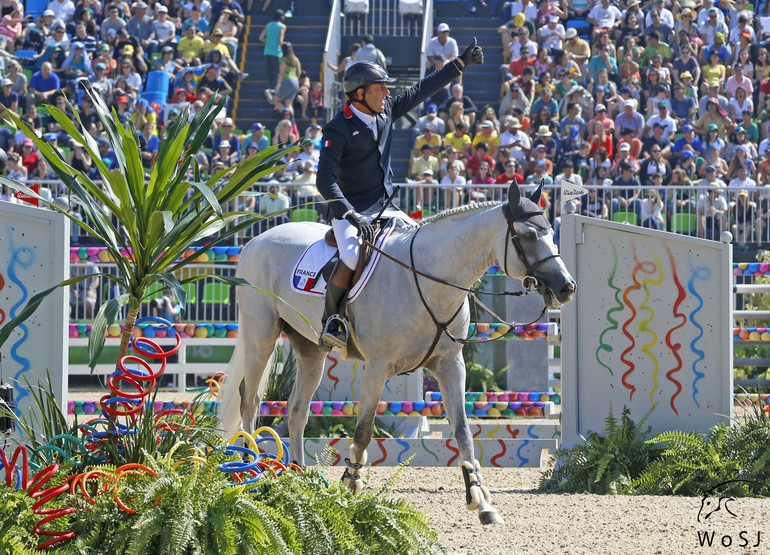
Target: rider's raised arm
332	147
424	89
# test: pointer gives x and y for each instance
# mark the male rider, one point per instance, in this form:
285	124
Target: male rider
354	172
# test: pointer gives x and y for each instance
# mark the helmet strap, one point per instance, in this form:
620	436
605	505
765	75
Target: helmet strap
363	100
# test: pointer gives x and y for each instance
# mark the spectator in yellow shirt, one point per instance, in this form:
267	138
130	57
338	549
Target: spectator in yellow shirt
190	46
428	137
488	134
460	140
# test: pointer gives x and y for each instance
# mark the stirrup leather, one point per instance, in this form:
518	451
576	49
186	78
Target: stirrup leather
335	339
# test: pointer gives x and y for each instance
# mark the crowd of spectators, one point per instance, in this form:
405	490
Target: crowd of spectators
638	98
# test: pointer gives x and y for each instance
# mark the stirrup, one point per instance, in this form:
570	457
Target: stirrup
335	340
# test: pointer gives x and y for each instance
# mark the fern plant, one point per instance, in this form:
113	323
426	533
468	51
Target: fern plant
16	522
693	463
605	463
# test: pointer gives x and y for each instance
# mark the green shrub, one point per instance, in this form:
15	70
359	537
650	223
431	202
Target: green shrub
603	463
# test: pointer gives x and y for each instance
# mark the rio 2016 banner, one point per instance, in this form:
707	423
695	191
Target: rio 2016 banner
34	256
650	328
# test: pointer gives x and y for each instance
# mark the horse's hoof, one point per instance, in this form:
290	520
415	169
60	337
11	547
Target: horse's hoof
353	485
490	517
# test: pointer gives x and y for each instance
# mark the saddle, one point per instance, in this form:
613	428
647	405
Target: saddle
364	256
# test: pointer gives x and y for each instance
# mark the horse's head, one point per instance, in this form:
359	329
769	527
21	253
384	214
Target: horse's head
528	251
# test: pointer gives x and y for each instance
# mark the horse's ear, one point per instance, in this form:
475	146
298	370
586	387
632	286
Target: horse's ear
536	195
514	195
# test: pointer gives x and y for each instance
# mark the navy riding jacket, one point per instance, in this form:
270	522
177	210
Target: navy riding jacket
354	170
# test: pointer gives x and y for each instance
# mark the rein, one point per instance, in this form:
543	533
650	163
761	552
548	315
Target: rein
529	281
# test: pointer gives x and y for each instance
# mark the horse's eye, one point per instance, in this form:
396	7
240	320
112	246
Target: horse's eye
531	235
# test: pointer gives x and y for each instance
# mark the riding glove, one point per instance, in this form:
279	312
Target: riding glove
472	55
365	229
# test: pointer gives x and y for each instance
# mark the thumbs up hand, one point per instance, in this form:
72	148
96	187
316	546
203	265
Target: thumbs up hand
473	54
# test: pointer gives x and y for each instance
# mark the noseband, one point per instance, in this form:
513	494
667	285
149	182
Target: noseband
529	281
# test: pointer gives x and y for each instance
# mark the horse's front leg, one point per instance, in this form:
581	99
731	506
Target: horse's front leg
371	388
450	373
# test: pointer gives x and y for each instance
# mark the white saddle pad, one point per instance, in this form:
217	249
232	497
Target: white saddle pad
317	262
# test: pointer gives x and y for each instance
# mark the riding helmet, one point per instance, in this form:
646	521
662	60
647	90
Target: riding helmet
364	73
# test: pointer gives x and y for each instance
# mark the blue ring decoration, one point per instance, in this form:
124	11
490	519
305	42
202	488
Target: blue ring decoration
237	466
284	459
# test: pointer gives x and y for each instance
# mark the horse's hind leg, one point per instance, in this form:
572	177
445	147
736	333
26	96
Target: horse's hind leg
310	367
451	379
260	336
371	388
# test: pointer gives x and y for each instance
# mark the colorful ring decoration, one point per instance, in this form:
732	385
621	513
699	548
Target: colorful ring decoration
751	268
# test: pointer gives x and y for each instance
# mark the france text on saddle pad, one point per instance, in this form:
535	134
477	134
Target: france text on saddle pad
315	265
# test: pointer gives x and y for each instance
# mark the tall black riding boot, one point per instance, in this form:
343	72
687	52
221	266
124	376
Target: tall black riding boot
333	329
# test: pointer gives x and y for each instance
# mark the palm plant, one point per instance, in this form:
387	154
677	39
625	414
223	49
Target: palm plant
145	225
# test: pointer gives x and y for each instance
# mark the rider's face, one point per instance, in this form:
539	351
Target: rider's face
375	96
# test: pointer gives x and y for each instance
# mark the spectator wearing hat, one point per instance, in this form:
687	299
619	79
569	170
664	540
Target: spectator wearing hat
577	50
514	139
600	115
688	141
629	118
216	44
431	116
308	153
225	153
113	22
744	211
715	115
428	136
141	27
441	48
226	134
8	98
29	155
626	192
165	30
167	62
76	66
488	134
233	5
739	143
539	171
552	35
99	80
257	137
231	29
717	44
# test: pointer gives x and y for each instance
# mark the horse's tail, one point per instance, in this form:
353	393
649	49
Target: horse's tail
230	420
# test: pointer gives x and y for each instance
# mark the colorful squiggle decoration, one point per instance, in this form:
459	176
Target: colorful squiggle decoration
16	260
382	449
702	273
2	312
611	282
332	377
650	267
405	449
454	450
503	449
435	456
631	366
680	296
524	460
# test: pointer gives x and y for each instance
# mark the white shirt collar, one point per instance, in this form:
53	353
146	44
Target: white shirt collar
368	120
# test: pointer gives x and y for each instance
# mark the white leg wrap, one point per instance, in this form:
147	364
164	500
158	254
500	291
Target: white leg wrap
475	490
351	477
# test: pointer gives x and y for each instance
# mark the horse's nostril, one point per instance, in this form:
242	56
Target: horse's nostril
569	288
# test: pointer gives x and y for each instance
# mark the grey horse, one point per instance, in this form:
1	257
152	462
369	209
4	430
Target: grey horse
392	328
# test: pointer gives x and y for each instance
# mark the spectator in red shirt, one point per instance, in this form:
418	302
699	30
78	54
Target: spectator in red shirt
516	67
479	155
509	174
29	156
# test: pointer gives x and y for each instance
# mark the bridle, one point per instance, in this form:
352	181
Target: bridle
529	282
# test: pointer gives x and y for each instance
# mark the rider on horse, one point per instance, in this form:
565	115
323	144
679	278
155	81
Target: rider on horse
354	172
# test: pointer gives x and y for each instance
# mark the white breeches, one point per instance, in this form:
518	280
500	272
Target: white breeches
346	234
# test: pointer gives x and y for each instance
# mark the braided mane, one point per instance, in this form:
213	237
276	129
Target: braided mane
458	210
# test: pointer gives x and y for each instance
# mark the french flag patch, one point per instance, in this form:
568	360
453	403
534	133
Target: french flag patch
326	143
